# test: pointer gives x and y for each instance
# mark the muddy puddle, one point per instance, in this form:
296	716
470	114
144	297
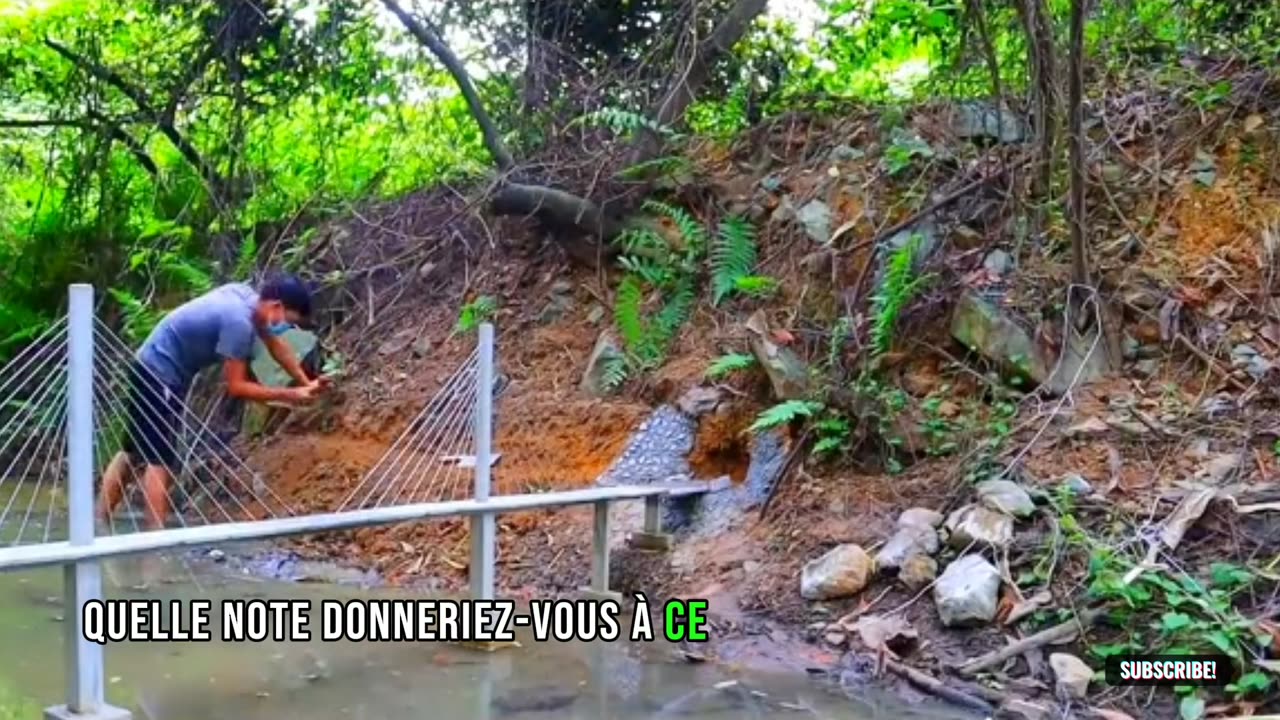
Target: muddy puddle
317	680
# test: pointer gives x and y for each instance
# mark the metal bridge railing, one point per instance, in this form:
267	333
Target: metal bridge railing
75	400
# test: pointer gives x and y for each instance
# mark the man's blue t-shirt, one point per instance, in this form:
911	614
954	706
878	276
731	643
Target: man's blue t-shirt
216	325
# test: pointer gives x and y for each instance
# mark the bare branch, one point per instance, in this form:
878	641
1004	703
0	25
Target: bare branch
433	42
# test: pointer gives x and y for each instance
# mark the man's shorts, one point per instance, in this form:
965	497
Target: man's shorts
155	420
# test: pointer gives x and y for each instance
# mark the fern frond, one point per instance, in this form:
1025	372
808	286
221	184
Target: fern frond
474	313
783	413
732	258
729	364
691	231
675	312
246	258
620	121
897	290
650	271
629	314
615	373
191	276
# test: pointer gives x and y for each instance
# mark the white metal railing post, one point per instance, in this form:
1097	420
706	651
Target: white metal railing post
82	580
483	526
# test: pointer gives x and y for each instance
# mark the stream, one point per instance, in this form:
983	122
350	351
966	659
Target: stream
316	680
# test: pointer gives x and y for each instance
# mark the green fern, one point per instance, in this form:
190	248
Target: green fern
899	287
839	335
475	313
784	413
728	364
691	231
247	258
629	313
620	121
615	373
675	313
188	274
139	320
733	257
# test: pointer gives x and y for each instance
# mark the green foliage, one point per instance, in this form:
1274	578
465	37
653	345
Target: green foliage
476	313
621	122
785	413
900	286
733	259
139	318
726	365
615	373
903	150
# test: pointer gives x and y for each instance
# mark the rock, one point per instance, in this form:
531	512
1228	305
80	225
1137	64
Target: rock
422	347
555	309
815	216
698	401
835	638
606	352
426	269
1006	497
977	524
1246	358
217	555
1018	709
1075	484
988	330
920	517
917	572
595	314
772	183
562	287
844	153
966	593
787	372
982	120
998	263
750	567
535	699
906	542
1072	675
842	572
818	263
1147	367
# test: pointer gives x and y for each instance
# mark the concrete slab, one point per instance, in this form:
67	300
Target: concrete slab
104	712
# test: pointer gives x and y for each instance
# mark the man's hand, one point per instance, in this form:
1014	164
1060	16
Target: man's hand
304	394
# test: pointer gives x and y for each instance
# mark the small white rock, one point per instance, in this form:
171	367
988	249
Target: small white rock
1072	674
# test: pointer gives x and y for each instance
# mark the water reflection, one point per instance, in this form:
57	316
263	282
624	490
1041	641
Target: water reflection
380	681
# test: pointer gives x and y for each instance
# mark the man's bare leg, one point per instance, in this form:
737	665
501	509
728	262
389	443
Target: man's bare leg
113	482
155	491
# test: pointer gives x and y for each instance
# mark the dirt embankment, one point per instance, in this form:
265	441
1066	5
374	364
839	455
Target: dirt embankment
1184	253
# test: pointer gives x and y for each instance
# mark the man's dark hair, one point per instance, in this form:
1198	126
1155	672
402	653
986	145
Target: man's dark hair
290	290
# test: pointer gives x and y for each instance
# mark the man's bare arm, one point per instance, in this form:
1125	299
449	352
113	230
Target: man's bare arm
283	354
236	373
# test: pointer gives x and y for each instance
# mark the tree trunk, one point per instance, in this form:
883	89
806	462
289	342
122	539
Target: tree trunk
433	42
1042	66
1075	108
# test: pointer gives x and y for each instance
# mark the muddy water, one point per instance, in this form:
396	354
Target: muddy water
378	681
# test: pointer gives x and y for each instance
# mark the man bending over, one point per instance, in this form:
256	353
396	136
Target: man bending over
219	325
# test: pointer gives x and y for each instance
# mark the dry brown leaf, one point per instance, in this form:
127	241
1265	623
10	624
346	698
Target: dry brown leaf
891	632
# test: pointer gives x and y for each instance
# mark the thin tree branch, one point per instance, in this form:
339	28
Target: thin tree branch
433	42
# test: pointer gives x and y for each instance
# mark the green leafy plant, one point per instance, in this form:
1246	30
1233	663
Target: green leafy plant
621	122
726	365
900	286
733	259
475	313
784	413
139	319
903	150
